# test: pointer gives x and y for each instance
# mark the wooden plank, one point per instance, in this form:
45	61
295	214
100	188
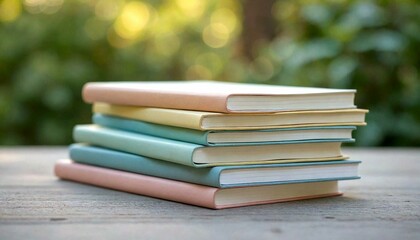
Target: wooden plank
384	204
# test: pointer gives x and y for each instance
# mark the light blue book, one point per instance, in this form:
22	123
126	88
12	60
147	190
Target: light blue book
221	138
220	177
204	156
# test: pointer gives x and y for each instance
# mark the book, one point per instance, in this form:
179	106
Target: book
203	156
220	138
221	176
219	121
193	194
218	96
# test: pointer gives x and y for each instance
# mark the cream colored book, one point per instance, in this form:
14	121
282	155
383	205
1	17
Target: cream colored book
221	121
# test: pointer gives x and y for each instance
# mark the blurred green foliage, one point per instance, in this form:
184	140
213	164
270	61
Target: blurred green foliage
372	46
50	48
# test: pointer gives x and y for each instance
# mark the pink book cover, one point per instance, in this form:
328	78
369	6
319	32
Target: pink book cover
190	95
177	191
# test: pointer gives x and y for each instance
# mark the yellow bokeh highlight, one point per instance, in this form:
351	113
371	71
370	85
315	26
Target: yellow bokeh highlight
192	8
132	20
216	35
226	17
10	10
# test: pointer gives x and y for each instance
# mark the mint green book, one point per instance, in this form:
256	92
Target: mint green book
204	156
219	138
220	177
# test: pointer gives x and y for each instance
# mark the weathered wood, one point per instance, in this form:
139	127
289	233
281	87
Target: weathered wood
384	204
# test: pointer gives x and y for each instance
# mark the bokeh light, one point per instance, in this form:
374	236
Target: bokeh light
50	48
132	20
43	6
192	8
10	10
216	35
226	17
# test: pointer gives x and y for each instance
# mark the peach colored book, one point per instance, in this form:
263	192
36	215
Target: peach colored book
218	96
189	193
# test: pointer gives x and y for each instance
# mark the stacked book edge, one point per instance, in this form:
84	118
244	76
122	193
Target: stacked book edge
215	145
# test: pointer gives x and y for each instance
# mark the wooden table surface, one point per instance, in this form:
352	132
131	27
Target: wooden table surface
34	204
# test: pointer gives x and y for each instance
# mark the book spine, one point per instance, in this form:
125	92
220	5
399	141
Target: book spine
149	146
161	116
149	98
138	164
278	200
175	133
139	184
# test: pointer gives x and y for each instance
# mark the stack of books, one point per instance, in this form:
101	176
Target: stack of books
214	144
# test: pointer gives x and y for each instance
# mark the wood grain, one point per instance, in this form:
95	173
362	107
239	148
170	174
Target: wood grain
384	204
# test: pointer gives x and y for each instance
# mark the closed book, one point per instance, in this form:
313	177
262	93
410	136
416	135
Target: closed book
218	96
219	121
203	156
221	176
219	138
194	194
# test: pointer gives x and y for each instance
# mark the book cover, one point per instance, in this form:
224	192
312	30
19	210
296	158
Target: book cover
217	121
218	96
215	138
221	176
204	156
188	193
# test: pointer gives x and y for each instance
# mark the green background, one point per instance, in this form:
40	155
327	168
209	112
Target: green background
50	48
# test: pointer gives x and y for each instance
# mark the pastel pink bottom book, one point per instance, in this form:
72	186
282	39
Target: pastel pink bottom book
204	196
